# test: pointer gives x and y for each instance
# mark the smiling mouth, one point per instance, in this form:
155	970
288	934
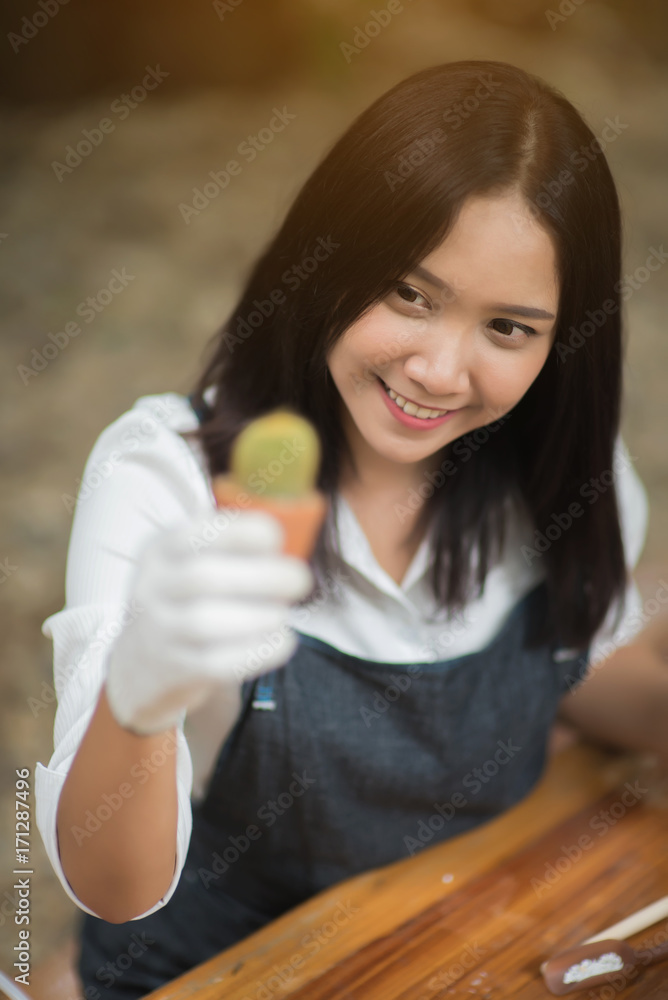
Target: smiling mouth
410	407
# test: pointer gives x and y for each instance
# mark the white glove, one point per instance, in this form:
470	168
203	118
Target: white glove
202	614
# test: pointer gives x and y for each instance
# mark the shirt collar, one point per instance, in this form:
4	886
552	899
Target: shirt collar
357	553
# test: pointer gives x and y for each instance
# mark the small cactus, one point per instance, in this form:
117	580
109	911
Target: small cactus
277	454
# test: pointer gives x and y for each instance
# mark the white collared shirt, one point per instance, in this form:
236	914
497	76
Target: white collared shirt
142	477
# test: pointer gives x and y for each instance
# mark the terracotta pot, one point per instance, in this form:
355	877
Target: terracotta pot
301	516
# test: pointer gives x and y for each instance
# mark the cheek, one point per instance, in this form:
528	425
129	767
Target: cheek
351	367
505	381
366	349
369	348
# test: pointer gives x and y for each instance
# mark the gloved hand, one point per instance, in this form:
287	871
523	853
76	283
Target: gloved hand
203	614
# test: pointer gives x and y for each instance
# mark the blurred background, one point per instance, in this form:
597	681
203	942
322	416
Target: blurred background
180	88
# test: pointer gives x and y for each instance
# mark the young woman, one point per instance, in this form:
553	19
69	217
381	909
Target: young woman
238	729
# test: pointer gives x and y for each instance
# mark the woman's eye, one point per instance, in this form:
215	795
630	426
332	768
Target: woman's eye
410	295
506	327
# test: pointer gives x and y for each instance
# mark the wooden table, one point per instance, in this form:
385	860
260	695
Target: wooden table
476	915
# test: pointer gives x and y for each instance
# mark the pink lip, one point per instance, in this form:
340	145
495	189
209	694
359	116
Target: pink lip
419	423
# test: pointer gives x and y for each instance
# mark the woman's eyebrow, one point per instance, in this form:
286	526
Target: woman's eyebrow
528	311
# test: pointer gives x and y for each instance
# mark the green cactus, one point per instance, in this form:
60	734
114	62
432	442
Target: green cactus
276	455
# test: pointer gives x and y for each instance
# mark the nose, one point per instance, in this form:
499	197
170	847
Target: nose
441	366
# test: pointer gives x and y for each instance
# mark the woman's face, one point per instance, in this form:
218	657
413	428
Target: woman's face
466	332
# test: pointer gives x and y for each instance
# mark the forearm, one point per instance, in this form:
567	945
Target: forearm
117	818
624	700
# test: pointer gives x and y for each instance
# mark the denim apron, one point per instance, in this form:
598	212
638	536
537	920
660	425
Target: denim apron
336	765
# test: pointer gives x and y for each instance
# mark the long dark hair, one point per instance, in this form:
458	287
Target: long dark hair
380	201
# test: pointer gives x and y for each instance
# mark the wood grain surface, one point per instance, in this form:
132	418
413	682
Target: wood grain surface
476	915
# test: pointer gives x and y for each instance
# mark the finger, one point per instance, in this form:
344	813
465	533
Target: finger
243	663
209	623
237	575
247	531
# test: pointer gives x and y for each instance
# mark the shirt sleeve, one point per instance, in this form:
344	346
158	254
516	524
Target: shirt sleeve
633	507
140	478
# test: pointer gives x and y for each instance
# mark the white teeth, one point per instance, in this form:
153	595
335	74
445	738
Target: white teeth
411	408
